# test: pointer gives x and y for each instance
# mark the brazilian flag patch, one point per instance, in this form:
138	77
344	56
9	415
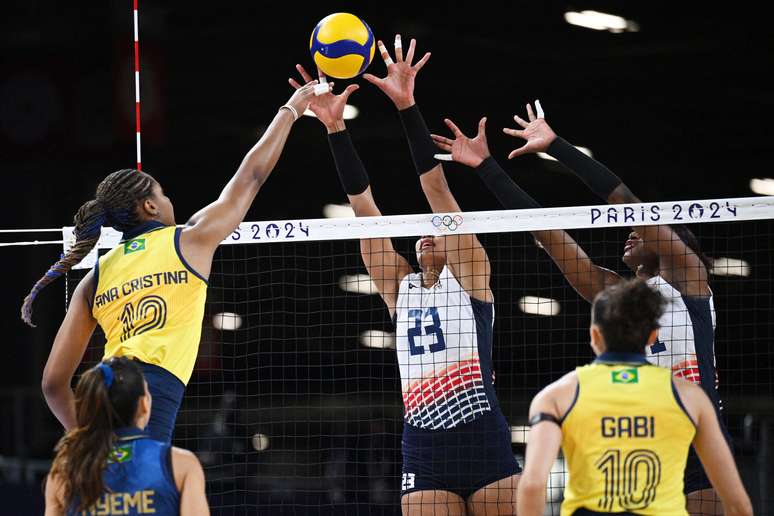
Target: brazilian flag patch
133	246
121	453
626	376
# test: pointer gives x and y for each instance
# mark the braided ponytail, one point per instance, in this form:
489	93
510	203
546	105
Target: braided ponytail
88	225
115	205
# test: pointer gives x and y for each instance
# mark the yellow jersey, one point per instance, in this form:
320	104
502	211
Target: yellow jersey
150	302
626	439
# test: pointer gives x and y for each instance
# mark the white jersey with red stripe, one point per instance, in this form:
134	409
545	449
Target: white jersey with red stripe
684	329
444	345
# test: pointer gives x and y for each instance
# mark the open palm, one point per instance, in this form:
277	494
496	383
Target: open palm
468	151
401	74
537	132
328	108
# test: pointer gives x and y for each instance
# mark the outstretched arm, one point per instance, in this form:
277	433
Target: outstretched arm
583	275
465	255
67	352
679	264
208	227
385	266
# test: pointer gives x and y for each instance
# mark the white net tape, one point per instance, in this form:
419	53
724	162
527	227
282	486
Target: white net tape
499	221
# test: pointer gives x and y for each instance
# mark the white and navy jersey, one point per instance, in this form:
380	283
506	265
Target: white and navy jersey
444	344
686	339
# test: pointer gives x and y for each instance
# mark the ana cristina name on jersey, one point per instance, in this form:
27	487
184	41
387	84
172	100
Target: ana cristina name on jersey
142	282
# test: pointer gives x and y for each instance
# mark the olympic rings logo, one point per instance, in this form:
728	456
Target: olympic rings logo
447	222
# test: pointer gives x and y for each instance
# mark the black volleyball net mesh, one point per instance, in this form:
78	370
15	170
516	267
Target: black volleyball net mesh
295	404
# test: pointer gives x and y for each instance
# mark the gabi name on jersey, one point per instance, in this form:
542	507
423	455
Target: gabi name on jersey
628	426
143	282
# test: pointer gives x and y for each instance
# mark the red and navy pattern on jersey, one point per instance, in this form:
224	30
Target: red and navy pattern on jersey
686	337
456	394
444	342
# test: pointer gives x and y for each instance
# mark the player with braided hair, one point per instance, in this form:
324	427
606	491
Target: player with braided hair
148	293
114	205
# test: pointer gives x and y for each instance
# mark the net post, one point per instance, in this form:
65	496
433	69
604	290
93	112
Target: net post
137	82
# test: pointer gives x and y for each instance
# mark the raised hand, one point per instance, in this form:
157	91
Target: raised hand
537	132
328	108
399	83
302	97
468	151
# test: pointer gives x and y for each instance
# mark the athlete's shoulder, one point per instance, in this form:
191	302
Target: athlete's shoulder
184	463
183	456
558	396
692	397
666	289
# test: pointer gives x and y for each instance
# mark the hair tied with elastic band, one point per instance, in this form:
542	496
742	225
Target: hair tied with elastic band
107	374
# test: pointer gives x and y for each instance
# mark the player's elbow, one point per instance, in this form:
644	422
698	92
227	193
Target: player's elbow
52	384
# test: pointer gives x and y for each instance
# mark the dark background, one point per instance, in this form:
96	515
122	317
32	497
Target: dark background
680	110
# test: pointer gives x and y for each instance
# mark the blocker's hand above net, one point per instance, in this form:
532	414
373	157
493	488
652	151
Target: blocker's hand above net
537	132
468	151
399	82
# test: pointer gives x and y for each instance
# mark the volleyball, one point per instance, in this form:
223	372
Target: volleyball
342	45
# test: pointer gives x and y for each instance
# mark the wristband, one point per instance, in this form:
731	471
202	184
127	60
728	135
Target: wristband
352	173
422	148
292	110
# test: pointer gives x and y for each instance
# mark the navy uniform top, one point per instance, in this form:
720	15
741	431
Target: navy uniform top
138	479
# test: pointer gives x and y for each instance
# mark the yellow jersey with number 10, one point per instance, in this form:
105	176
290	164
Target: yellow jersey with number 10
626	440
150	303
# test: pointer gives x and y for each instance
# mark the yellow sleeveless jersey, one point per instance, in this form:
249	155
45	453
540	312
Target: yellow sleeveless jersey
626	440
150	303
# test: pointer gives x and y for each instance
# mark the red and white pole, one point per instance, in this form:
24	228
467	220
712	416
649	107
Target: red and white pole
137	84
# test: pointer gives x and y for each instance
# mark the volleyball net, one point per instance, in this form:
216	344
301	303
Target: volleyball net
295	404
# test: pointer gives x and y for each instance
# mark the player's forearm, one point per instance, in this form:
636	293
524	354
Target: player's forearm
240	192
437	191
352	173
423	149
262	158
420	142
61	401
600	179
510	195
531	499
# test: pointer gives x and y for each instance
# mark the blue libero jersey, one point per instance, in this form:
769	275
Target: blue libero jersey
138	479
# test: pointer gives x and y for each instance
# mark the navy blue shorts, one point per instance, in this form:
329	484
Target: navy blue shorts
167	392
461	460
695	478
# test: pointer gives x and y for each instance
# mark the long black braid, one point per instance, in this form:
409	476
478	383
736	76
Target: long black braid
116	204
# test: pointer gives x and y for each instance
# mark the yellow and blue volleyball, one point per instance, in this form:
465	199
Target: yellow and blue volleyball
342	45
